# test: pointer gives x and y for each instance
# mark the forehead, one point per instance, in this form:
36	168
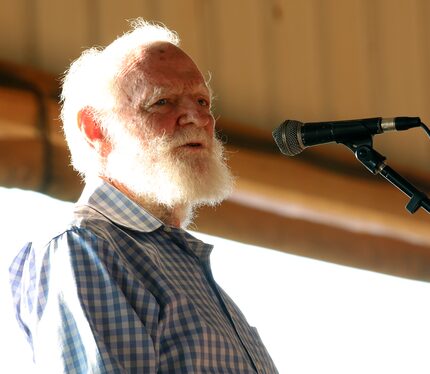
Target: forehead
165	66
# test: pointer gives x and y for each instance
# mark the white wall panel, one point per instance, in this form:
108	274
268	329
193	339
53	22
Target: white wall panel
239	64
61	32
185	18
14	28
113	15
294	71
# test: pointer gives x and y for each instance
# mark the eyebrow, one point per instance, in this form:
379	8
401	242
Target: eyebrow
160	92
148	99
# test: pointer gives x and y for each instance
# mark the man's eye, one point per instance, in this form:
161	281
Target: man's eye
203	102
161	102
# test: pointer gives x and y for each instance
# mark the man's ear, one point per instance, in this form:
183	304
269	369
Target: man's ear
92	131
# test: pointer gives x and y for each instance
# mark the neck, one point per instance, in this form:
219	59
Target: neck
176	216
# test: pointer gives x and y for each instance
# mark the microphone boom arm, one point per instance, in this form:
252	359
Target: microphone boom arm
374	162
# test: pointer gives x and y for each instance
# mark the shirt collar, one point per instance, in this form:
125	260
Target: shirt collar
117	207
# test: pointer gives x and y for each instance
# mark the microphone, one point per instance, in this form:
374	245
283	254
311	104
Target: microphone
292	137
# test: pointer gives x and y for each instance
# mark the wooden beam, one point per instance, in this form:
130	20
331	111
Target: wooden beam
291	187
33	152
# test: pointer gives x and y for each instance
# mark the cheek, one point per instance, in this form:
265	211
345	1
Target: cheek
161	123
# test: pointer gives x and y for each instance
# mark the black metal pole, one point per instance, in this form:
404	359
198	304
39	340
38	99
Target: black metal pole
418	198
374	162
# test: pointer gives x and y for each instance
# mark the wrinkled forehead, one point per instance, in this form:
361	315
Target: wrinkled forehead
162	64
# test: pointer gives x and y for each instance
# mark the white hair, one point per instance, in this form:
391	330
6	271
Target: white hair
92	82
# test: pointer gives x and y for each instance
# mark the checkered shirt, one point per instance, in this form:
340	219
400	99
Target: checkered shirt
120	292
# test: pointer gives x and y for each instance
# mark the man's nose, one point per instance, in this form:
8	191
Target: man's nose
194	114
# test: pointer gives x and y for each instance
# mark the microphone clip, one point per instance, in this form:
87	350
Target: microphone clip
374	162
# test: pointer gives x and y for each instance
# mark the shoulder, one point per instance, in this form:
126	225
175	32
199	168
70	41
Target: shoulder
40	255
60	250
71	257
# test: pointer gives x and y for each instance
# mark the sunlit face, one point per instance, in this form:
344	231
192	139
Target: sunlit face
164	91
165	148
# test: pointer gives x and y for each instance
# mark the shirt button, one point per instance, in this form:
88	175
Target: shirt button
167	229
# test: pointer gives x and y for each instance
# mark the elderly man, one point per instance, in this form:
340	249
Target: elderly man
124	289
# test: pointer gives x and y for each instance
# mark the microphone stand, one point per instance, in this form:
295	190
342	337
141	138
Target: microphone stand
374	162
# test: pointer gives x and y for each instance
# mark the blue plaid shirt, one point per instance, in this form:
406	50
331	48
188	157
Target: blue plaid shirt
120	292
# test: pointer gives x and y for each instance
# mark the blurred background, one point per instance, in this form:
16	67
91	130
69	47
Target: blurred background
269	60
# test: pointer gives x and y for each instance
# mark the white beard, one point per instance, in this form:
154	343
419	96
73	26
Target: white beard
158	171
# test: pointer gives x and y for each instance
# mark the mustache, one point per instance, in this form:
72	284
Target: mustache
184	136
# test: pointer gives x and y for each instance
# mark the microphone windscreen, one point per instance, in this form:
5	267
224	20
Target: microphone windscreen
286	137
